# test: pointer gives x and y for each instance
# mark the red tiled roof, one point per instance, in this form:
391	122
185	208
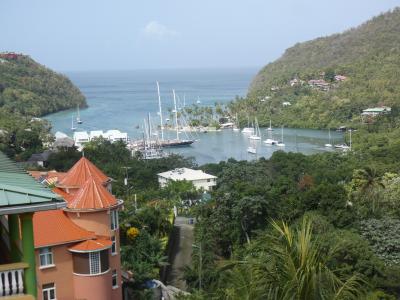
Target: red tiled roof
91	245
53	227
81	172
92	195
67	197
51	176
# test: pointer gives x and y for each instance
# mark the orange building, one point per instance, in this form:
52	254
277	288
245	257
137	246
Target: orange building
77	248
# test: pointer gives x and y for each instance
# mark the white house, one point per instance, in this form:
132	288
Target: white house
96	134
197	177
375	111
81	138
116	135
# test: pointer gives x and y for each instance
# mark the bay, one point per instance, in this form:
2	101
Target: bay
122	99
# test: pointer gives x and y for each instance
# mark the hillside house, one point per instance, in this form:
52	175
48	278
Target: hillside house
320	84
78	256
376	111
340	78
21	198
197	177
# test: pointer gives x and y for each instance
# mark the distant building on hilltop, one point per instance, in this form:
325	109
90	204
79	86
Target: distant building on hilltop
320	84
375	111
340	78
197	177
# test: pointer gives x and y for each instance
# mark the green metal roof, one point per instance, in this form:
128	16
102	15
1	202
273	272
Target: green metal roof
17	187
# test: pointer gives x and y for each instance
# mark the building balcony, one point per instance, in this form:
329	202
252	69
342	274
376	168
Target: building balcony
12	283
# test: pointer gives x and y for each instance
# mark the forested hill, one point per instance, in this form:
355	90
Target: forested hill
367	56
31	89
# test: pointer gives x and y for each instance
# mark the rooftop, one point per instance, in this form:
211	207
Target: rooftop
378	109
186	174
91	245
17	187
92	195
61	230
81	172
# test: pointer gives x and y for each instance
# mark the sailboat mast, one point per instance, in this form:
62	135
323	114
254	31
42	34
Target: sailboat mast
149	124
176	116
282	134
350	138
160	112
329	132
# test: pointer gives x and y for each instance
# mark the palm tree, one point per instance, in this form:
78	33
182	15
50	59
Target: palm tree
368	186
289	264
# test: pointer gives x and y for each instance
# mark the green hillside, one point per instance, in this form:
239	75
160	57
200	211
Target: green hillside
369	57
31	89
27	90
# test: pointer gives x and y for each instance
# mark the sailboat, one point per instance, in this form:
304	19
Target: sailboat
280	143
151	148
198	100
175	142
73	128
252	150
329	145
236	126
270	126
256	133
78	117
270	140
345	147
248	129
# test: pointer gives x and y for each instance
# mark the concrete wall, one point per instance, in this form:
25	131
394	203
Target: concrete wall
100	223
93	287
61	274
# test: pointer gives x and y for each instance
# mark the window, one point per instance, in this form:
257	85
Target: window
208	180
114	245
114	219
94	263
45	257
49	291
114	279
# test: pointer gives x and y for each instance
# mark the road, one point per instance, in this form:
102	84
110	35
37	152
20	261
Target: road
181	252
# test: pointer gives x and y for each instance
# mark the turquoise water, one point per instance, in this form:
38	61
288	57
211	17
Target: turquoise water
122	99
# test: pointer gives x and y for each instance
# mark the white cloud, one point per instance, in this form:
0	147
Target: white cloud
156	30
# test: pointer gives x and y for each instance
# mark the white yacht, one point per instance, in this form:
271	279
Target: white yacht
256	132
73	128
270	126
329	145
252	150
281	143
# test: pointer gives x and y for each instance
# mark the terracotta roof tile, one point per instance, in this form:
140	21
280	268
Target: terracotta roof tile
55	228
91	245
81	172
67	197
92	195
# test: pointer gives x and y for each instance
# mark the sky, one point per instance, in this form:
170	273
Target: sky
72	35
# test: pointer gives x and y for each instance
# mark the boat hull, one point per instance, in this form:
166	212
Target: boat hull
176	143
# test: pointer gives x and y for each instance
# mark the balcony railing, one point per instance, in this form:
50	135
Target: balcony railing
11	279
